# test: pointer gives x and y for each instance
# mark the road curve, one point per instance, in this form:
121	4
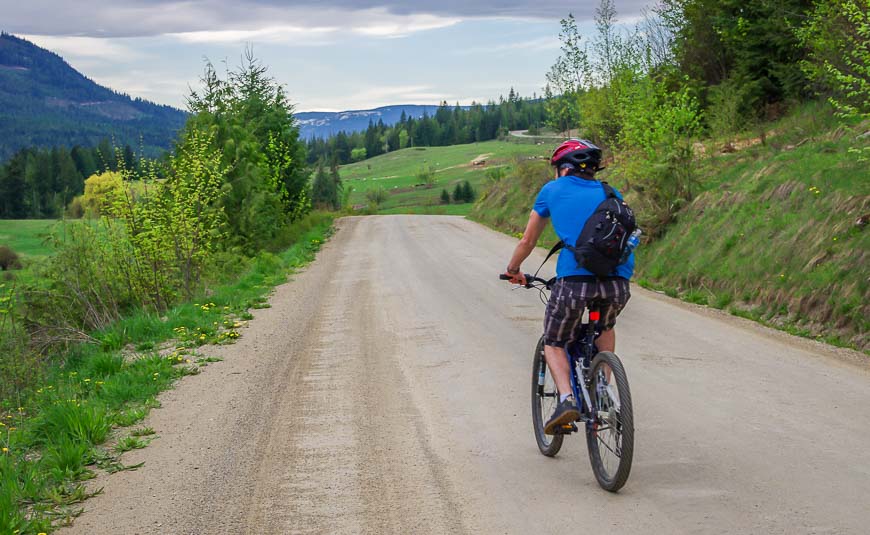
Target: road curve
386	391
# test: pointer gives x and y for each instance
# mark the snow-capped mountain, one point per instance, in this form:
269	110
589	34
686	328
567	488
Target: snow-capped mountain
324	124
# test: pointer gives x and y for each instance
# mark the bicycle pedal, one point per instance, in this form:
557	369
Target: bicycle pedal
566	429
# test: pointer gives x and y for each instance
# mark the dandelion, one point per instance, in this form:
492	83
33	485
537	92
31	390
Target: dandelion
2	424
87	380
5	450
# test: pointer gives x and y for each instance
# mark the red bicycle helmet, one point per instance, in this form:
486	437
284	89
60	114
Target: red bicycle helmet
580	153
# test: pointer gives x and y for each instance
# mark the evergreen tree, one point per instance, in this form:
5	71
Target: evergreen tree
468	193
458	193
323	193
445	197
337	186
251	122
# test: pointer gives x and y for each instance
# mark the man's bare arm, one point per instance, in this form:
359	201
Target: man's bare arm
527	243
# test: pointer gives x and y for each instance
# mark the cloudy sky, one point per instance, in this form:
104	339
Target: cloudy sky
329	54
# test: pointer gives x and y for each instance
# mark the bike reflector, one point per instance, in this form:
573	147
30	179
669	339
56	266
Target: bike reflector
594	315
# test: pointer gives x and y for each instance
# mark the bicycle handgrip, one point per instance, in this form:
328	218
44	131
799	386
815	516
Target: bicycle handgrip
504	277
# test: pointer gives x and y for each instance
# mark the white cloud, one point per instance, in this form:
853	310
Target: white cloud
297	35
85	47
380	23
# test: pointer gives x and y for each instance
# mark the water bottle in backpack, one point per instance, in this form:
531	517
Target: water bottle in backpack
632	242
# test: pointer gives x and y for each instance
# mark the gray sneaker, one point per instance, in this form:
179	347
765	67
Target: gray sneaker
565	414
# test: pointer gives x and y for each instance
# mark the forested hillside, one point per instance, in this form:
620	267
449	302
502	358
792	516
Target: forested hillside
449	125
44	102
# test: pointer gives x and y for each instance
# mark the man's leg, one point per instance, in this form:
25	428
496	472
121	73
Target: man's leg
566	411
557	360
606	341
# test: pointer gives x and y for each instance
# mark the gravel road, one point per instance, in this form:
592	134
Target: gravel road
386	392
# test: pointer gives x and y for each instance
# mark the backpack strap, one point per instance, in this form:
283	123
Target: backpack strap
609	191
556	247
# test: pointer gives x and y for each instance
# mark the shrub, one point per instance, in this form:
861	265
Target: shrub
426	175
495	174
100	189
376	196
9	258
445	197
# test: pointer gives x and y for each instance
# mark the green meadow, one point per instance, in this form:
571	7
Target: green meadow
27	236
397	172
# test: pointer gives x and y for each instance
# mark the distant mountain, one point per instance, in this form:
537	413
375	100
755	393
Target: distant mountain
45	102
324	124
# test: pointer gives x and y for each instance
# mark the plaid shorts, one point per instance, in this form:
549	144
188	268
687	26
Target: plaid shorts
569	299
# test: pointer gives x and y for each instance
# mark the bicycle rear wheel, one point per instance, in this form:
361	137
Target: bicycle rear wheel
545	397
611	436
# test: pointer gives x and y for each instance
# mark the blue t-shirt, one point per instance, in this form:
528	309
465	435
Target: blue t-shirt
569	201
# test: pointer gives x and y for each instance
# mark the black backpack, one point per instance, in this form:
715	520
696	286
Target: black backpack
604	237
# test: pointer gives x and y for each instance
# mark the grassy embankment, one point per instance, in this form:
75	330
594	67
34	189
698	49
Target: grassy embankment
777	233
397	171
81	416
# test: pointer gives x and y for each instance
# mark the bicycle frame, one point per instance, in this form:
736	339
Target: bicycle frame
580	355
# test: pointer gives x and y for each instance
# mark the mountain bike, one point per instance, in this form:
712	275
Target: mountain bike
600	386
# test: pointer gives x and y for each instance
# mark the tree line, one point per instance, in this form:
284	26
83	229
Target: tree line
40	183
449	125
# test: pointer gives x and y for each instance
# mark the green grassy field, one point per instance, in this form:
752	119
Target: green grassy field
397	171
27	236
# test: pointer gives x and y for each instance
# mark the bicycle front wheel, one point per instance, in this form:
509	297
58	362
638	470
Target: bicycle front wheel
545	397
610	437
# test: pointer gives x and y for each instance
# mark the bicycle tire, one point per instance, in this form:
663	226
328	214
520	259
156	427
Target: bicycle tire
619	416
548	444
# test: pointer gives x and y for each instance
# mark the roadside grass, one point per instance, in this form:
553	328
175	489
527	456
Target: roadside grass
776	235
777	232
396	173
53	438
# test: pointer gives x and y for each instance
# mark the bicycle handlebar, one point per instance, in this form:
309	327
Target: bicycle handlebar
530	279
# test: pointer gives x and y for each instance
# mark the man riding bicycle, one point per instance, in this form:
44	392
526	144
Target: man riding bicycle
569	201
